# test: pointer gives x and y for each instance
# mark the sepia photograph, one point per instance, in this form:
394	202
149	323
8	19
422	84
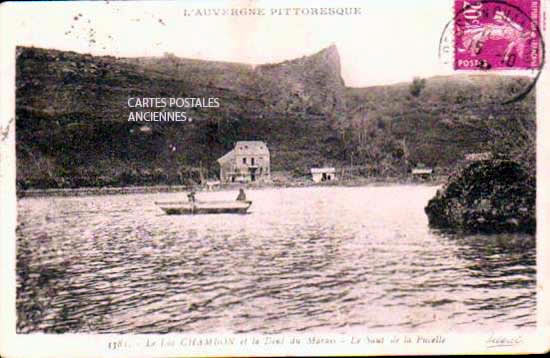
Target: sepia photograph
225	177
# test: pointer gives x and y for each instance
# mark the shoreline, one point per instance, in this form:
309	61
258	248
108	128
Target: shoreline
151	189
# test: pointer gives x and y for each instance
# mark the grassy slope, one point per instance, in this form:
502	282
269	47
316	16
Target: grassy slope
451	116
72	127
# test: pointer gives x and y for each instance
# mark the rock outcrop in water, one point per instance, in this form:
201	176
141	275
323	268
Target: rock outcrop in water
490	196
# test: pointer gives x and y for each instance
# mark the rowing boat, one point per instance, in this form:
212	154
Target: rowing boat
204	207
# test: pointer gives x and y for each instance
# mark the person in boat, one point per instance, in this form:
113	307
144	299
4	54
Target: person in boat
241	196
191	197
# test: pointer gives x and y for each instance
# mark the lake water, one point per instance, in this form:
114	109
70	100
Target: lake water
319	259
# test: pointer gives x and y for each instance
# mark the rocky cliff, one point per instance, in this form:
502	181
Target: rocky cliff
311	84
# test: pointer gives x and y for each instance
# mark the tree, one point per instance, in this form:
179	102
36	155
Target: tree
417	86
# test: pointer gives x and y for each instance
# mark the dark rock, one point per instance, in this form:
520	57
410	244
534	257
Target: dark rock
490	196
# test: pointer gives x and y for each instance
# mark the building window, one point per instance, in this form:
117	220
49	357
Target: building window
244	160
252	161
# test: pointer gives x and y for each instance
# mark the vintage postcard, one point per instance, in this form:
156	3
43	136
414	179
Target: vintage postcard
274	178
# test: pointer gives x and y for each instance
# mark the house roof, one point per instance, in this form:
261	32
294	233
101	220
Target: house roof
245	147
478	156
322	170
227	157
251	147
422	171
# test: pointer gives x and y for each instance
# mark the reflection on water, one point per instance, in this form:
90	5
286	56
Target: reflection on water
326	259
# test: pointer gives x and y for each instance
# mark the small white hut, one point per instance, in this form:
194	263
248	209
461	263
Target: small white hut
323	174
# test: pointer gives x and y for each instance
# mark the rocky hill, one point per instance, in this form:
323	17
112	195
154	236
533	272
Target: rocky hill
451	116
73	129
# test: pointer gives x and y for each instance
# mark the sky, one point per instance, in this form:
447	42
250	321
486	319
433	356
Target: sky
390	41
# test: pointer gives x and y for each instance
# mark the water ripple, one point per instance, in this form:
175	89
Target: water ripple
303	260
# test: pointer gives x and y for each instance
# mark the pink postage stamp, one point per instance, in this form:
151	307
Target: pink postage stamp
494	34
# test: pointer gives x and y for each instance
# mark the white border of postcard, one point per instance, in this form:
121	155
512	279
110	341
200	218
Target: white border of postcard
172	345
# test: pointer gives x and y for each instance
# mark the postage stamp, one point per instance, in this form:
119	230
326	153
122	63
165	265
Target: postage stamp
497	35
